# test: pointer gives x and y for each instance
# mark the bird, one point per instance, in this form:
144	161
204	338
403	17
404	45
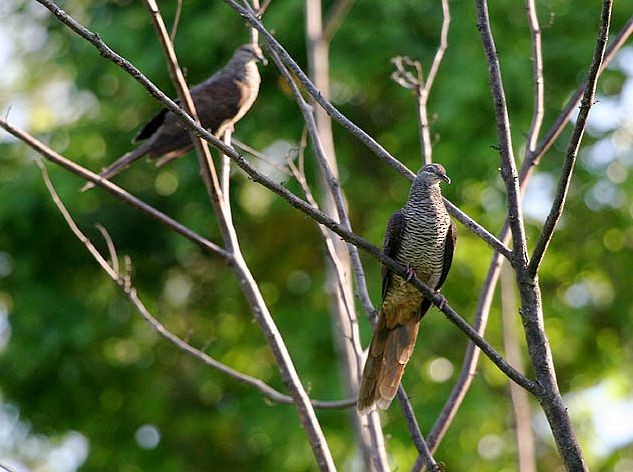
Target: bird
221	101
420	236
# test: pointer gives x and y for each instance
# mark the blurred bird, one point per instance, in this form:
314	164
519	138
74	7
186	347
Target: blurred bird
421	236
221	101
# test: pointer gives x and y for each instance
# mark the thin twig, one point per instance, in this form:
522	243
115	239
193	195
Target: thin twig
114	258
225	173
174	27
117	191
259	155
547	232
409	80
414	429
439	54
533	158
263	8
537	57
421	86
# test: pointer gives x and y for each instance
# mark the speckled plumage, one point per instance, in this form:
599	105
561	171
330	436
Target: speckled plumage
421	236
221	101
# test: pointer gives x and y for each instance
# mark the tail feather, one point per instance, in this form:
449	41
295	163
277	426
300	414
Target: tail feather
389	353
120	164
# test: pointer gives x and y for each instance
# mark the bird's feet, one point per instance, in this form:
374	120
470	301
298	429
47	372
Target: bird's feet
442	303
410	273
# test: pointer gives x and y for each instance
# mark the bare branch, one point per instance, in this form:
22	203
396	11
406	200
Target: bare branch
537	57
174	27
574	143
533	158
479	230
414	429
508	166
259	155
225	173
439	54
117	191
263	8
114	258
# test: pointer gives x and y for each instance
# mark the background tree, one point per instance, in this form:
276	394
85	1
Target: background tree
78	358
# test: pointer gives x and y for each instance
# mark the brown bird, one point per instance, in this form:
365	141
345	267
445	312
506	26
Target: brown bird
220	101
421	236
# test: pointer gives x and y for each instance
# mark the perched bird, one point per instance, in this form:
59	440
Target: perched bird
421	236
220	101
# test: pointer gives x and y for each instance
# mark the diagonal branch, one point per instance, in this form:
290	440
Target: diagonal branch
117	191
574	143
533	157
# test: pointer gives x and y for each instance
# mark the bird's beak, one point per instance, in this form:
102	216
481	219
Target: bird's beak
260	57
444	177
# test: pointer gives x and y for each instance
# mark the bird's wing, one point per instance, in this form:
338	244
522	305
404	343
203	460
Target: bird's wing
218	100
391	244
152	125
449	247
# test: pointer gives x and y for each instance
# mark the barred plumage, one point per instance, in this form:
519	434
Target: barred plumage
421	236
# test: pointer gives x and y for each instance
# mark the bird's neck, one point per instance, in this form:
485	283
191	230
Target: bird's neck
424	193
244	71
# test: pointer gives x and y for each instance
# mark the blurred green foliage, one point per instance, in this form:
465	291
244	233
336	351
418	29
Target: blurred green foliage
79	358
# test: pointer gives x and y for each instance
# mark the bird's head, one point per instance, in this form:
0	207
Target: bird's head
250	52
433	174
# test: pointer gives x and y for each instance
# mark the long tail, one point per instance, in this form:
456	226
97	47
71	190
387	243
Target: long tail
120	164
389	352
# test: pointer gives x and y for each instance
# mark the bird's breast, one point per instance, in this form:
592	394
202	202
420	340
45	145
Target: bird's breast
423	243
